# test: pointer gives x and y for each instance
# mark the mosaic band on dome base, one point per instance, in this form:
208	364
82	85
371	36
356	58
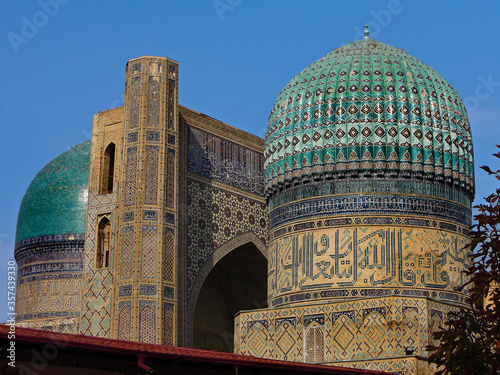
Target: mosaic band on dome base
370	204
49	281
331	184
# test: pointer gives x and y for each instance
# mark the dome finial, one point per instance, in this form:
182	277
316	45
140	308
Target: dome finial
367	32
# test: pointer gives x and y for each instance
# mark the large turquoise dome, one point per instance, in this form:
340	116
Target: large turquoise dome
56	200
371	109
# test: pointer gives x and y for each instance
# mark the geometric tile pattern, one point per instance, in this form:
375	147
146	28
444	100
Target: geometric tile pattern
135	102
145	189
151	179
344	335
168	324
369	204
154	101
382	183
410	327
98	283
124	321
170	179
257	340
147	323
286	339
131	177
96	316
96	311
149	250
168	256
172	84
214	217
372	331
126	263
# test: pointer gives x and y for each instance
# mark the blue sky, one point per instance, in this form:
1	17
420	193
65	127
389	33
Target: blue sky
61	61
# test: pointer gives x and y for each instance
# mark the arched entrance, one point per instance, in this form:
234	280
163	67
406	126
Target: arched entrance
237	282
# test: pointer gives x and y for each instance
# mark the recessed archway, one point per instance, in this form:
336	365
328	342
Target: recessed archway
237	282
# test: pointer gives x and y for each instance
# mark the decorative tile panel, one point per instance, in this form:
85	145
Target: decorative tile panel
154	100
149	249
170	179
135	102
225	161
131	176
127	260
168	318
369	333
124	321
147	322
214	217
151	179
168	255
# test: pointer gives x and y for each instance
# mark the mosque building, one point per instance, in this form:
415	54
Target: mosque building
338	239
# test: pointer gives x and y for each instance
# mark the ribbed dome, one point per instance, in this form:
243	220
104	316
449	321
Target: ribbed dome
56	200
369	108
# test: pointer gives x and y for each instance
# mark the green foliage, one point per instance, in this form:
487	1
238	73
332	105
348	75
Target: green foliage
470	340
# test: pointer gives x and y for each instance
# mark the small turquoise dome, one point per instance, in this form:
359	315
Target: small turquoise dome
372	109
56	200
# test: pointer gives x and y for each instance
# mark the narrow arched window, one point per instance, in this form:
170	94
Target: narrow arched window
103	243
108	169
314	345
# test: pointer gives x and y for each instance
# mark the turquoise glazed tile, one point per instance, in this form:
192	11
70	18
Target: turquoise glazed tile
368	107
56	200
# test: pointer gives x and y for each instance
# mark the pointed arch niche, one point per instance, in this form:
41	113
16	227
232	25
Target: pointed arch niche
235	282
108	170
314	344
103	247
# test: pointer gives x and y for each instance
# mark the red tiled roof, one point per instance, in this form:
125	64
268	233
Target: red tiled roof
169	352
